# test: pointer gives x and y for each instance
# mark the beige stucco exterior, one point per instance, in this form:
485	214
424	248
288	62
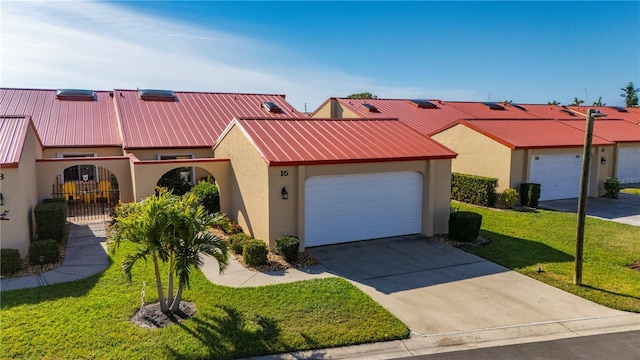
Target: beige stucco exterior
333	109
258	205
18	190
481	155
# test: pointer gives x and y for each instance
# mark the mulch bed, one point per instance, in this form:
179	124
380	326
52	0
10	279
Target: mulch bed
479	241
278	263
150	317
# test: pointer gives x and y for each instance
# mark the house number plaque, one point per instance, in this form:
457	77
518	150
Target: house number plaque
284	173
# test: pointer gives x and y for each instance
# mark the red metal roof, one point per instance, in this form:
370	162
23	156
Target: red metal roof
329	141
196	119
546	111
478	110
13	132
631	114
64	123
612	130
531	134
425	121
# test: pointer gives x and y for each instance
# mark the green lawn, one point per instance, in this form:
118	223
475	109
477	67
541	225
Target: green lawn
524	240
635	191
90	319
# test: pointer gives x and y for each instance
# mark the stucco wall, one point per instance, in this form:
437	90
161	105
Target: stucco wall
324	112
20	197
477	154
333	109
52	153
249	204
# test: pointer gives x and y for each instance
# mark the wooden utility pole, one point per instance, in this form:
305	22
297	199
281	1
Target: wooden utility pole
582	197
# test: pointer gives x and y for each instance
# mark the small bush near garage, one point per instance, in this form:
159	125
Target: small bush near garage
255	252
51	220
208	196
237	242
288	247
529	194
10	261
472	189
612	188
48	249
508	198
464	226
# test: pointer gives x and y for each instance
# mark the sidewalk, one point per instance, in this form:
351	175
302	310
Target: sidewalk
85	255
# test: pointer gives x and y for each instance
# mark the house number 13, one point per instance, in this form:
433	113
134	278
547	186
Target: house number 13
284	173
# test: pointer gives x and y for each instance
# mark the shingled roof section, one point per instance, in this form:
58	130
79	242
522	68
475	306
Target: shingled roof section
331	141
193	119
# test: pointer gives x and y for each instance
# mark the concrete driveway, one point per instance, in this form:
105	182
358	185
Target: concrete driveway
625	209
438	290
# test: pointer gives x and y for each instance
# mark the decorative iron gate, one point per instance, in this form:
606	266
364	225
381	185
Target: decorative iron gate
91	191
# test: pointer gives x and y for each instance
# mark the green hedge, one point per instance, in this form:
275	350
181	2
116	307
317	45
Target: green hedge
255	252
237	242
288	247
49	249
472	189
10	261
529	194
208	195
464	226
51	220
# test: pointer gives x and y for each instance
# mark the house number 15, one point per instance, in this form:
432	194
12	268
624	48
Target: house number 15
284	173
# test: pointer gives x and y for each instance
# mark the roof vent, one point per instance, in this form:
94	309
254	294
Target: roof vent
619	108
493	106
518	106
271	107
75	94
370	107
157	95
423	104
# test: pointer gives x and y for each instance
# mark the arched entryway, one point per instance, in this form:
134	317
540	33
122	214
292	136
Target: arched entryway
181	180
91	191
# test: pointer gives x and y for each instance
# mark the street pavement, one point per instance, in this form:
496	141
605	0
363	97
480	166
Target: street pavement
625	209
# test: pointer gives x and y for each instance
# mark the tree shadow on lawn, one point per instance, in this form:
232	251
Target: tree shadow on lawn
36	295
515	253
231	335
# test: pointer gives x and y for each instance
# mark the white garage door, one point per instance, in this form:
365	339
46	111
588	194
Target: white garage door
558	175
363	206
628	165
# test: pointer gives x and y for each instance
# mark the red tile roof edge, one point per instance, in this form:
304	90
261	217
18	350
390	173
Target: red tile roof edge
22	138
360	161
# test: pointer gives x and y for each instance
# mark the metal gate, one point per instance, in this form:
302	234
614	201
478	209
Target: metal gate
91	191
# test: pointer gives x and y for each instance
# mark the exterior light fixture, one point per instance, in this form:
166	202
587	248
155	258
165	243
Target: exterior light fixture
285	194
603	160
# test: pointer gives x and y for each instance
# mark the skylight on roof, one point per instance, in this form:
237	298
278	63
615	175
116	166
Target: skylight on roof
493	106
271	106
370	107
155	94
75	94
423	104
619	108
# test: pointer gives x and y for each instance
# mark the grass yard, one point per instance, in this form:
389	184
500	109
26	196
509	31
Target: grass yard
524	240
90	319
634	191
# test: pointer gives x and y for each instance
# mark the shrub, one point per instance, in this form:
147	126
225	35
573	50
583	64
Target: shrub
237	242
529	194
47	248
288	247
10	261
222	222
54	200
464	225
51	220
208	196
255	252
472	189
509	197
611	188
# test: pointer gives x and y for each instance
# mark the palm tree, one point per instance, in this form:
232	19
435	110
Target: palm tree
169	229
554	102
577	102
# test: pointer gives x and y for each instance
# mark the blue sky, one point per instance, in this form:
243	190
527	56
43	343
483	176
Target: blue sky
528	52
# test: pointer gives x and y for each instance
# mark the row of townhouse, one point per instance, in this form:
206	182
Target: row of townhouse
351	170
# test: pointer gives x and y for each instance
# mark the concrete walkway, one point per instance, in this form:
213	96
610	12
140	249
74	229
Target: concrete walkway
403	294
85	255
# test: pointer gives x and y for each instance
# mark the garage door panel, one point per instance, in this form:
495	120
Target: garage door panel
628	169
558	175
364	206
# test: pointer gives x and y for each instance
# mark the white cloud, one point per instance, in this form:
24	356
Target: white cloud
95	45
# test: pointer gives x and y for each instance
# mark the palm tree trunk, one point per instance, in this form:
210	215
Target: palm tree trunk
170	280
176	302
161	299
